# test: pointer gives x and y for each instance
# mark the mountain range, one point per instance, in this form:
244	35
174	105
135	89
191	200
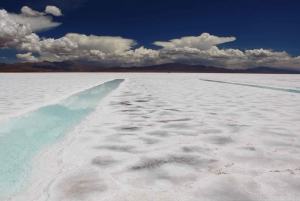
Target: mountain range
70	66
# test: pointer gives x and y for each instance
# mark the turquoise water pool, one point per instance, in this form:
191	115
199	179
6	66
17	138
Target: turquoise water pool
256	86
21	138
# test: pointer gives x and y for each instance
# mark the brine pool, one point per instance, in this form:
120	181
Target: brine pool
21	138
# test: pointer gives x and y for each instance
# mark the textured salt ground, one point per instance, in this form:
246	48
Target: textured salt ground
23	92
175	137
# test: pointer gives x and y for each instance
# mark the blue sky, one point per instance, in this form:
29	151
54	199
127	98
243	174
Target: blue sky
257	25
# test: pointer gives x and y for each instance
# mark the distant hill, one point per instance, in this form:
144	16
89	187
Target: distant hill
185	68
271	70
46	66
70	66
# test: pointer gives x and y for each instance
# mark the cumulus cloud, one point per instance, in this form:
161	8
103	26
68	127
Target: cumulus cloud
59	46
214	56
203	42
37	24
138	57
20	36
30	13
53	10
72	46
105	44
27	57
11	32
258	53
38	21
118	51
231	58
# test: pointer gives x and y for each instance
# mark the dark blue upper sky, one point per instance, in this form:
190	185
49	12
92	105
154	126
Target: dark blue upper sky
255	23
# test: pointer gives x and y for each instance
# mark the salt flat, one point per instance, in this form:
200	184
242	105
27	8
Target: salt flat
167	137
20	93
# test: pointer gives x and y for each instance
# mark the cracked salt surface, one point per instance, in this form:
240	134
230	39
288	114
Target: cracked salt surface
175	137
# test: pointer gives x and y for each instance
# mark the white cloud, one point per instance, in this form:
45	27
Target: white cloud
203	42
138	57
27	57
11	32
30	13
40	23
214	56
61	45
106	44
20	36
56	46
215	52
53	10
97	54
230	58
258	53
118	51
